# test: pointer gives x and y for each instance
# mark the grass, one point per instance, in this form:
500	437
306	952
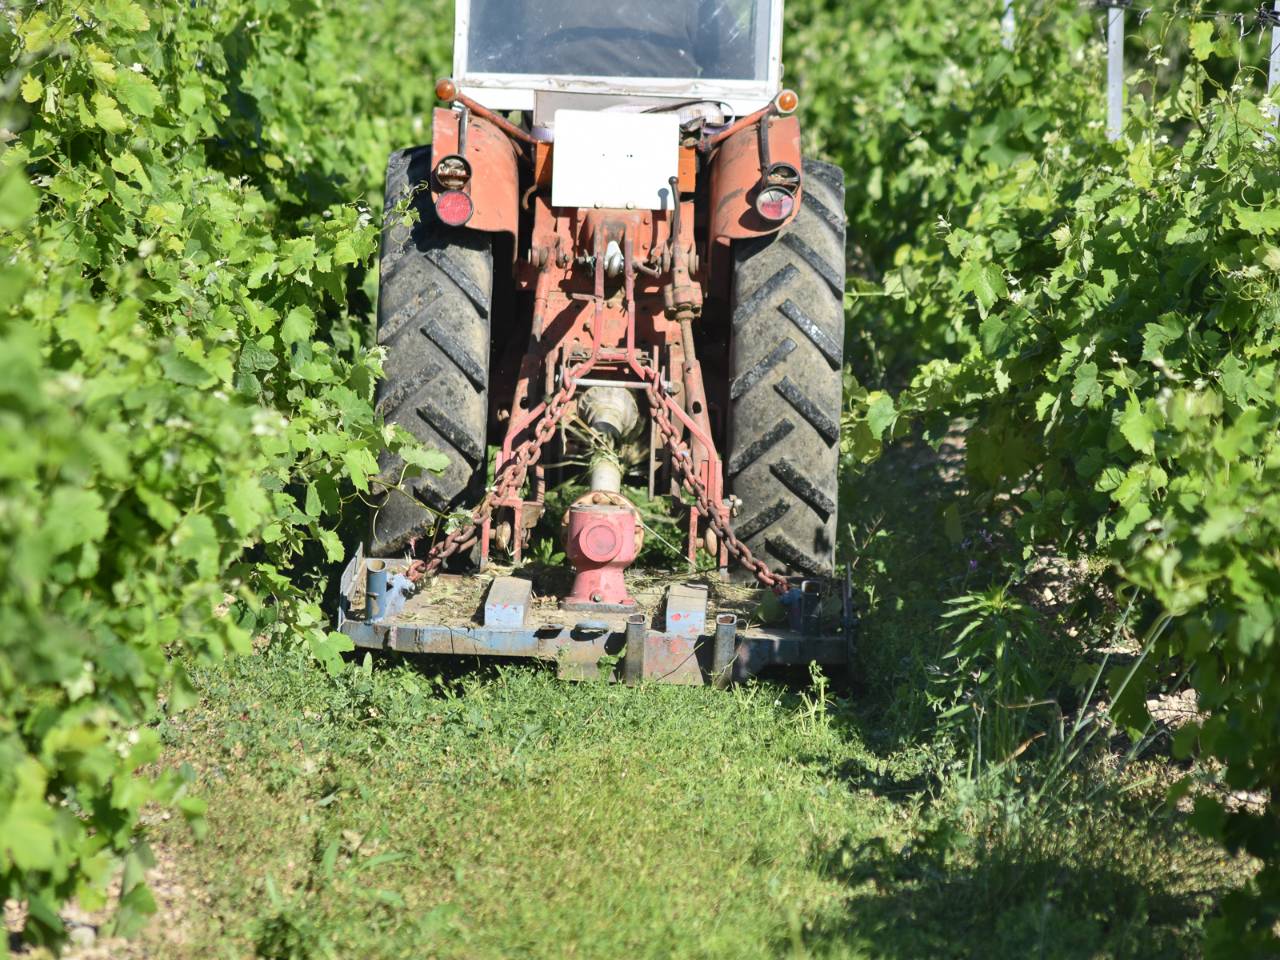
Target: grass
393	811
515	815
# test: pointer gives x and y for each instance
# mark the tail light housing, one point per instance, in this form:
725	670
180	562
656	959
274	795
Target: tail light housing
453	203
776	198
774	203
453	172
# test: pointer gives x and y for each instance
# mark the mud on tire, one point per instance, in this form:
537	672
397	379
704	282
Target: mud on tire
785	357
434	300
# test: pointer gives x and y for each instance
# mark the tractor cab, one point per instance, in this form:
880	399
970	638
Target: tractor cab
619	294
537	56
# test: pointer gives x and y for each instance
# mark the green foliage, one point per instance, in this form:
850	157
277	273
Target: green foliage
1103	315
187	216
288	933
995	675
184	389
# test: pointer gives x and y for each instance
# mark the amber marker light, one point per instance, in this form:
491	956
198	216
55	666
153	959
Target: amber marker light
786	101
446	90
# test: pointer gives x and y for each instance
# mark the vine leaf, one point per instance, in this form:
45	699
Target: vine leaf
1138	427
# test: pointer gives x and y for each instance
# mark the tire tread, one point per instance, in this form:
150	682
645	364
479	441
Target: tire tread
785	358
435	297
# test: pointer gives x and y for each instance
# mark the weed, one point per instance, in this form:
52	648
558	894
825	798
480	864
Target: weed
813	718
994	674
288	931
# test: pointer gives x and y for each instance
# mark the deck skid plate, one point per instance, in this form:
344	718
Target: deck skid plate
671	634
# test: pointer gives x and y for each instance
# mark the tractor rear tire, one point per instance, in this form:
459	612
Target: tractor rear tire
785	359
434	298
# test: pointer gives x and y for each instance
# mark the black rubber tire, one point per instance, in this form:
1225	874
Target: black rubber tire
434	298
785	358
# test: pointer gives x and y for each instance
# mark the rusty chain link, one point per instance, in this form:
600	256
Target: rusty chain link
716	513
529	452
507	483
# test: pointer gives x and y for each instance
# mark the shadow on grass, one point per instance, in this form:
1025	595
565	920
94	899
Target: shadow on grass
1030	898
985	873
895	526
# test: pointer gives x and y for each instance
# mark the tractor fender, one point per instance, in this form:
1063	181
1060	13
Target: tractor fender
495	173
736	177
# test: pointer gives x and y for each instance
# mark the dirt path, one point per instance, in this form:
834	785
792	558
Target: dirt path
164	935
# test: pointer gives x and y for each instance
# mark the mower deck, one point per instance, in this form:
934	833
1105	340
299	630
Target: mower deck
692	630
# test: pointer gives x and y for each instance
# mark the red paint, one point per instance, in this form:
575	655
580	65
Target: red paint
736	177
583	326
579	331
495	172
601	543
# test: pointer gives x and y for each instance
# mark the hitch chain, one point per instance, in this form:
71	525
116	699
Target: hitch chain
527	454
716	513
507	484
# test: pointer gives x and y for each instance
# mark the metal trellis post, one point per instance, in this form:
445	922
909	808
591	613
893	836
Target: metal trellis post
1273	73
1115	67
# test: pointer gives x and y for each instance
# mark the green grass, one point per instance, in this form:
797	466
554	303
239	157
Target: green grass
513	815
499	813
516	815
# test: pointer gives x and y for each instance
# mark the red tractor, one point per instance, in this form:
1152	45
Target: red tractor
617	271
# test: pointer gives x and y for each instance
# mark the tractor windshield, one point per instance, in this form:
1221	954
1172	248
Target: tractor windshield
687	39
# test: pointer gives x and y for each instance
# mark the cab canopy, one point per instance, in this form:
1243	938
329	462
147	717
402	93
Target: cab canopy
537	54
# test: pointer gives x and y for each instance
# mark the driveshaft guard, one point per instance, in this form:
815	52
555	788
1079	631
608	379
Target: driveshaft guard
495	173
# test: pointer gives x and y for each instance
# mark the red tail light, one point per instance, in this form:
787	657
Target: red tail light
454	207
775	203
